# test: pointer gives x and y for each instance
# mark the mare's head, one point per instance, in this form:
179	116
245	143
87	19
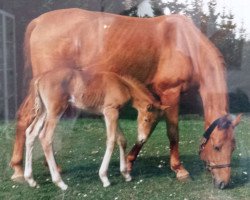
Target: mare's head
148	117
217	147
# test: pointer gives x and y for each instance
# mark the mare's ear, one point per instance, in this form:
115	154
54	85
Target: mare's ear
237	120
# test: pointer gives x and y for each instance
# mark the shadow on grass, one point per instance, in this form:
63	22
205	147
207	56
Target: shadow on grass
151	167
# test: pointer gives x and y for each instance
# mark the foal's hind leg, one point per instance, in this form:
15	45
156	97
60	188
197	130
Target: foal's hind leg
31	134
121	141
46	138
111	118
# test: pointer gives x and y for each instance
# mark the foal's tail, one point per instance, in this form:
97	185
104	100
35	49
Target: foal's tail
34	91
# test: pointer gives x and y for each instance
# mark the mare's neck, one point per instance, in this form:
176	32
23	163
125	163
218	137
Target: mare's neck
213	91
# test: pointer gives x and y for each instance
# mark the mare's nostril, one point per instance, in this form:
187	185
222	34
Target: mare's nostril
220	185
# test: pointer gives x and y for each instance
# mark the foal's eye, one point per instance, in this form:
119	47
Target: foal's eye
146	120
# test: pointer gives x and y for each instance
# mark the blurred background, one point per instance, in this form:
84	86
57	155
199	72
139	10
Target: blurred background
226	24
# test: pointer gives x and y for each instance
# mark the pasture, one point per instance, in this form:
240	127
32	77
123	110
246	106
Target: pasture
80	145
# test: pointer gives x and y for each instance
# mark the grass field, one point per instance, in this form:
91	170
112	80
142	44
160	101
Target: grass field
80	145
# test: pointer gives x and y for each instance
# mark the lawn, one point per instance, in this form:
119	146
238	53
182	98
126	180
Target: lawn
80	145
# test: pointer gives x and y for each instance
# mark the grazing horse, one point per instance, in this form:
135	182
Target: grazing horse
101	93
168	54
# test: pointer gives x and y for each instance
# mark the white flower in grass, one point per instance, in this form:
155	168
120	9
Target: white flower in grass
13	186
240	154
94	152
85	195
116	198
160	166
245	173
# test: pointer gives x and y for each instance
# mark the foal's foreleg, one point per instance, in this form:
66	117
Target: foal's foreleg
121	141
31	134
111	117
132	155
46	138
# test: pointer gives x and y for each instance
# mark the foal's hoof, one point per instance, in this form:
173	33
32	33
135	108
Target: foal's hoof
62	185
106	184
32	183
128	178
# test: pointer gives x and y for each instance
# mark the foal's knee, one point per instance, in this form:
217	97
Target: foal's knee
121	141
142	138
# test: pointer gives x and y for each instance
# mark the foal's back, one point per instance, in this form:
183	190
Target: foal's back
83	89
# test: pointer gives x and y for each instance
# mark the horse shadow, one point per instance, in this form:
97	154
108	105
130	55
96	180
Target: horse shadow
153	166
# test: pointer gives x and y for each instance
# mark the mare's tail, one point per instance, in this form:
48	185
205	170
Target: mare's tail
27	57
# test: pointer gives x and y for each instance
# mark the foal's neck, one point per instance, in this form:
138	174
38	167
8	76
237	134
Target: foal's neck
139	93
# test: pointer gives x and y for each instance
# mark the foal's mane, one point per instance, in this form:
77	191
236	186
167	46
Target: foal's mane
137	87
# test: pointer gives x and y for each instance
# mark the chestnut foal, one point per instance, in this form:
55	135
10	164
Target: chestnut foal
100	93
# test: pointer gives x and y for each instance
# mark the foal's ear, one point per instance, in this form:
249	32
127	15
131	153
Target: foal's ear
237	120
150	107
164	108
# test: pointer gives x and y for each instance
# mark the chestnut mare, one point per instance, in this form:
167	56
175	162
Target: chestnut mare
100	93
167	53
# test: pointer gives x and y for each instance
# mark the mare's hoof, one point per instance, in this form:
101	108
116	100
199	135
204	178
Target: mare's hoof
182	175
19	178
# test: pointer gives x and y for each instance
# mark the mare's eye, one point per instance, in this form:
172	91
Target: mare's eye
217	148
146	120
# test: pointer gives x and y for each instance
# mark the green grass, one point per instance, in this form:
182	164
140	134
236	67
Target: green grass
80	145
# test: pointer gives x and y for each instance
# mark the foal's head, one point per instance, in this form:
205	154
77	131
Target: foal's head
217	147
148	117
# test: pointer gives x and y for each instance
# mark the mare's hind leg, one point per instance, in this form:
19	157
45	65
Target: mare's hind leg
111	118
171	98
24	117
31	134
121	141
46	138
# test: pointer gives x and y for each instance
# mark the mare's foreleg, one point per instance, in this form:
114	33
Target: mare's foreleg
122	143
31	134
171	99
24	117
111	117
46	138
